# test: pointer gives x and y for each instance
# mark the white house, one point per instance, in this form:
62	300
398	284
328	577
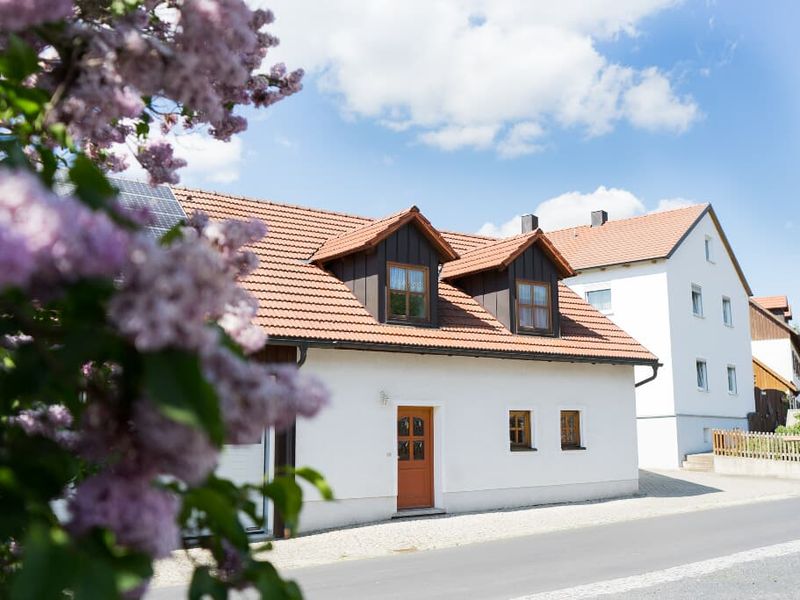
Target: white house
671	280
464	375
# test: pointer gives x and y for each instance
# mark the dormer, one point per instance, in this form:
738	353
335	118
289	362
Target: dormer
515	279
391	266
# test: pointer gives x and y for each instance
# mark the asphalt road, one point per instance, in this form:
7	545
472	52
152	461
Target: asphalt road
532	565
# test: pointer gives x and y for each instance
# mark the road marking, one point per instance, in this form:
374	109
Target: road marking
637	582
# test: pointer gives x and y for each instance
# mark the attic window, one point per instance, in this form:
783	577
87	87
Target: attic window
533	306
408	293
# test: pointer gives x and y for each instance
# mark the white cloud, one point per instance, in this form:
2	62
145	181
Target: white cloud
672	204
651	104
452	138
521	140
468	74
574	208
209	160
511	227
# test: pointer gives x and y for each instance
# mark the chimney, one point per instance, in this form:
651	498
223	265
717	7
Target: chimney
599	217
529	223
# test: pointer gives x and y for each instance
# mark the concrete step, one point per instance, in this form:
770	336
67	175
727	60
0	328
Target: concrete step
687	466
699	462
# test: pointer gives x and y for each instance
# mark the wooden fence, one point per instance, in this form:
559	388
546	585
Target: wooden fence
769	446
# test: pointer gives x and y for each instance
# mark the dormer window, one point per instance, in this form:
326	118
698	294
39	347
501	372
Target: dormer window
533	306
408	293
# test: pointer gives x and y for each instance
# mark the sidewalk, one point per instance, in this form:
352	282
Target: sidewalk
661	493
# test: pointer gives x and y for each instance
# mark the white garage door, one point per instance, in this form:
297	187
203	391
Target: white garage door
247	463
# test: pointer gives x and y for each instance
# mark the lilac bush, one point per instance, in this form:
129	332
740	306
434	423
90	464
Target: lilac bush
127	362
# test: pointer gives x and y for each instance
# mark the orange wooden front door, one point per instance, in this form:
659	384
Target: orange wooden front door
414	457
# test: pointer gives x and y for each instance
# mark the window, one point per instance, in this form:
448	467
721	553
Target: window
732	387
727	313
519	429
600	299
408	293
702	375
697	301
709	246
571	430
533	306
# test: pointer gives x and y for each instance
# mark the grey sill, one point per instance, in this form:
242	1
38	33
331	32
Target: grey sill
417	512
571	448
522	449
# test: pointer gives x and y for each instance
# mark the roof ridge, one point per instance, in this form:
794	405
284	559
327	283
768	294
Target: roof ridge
635	217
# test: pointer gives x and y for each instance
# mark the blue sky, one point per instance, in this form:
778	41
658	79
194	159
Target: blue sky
705	106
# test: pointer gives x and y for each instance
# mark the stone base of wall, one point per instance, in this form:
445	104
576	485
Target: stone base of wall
756	467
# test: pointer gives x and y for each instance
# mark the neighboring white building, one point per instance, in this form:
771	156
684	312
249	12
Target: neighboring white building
464	374
671	280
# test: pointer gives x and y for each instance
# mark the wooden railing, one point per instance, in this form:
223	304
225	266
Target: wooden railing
769	446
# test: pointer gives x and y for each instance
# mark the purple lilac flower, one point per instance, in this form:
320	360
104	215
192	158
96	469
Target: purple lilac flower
17	262
62	239
255	396
52	421
173	448
16	15
141	516
158	160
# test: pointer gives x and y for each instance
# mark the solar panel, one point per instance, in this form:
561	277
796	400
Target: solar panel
157	199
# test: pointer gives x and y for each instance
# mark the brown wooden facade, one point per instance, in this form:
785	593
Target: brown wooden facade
365	273
763	325
496	290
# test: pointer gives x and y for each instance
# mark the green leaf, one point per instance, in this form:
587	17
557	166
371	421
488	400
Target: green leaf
19	60
287	496
174	233
175	382
47	566
270	584
316	479
204	585
91	185
142	129
222	515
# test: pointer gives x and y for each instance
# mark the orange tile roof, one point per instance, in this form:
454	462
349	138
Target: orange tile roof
371	234
301	302
646	237
776	303
501	253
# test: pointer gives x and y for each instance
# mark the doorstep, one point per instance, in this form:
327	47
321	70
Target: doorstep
418	512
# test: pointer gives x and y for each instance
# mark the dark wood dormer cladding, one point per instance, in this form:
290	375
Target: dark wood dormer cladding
496	290
365	272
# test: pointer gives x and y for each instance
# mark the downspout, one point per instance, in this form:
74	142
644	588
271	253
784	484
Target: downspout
653	376
303	354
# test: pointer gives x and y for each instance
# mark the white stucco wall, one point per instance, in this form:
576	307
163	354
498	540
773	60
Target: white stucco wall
651	300
708	338
353	442
777	355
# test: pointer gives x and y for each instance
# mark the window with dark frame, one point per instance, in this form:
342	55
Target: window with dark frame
408	293
519	429
533	306
571	430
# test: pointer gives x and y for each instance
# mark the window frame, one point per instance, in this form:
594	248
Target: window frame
735	390
426	294
697	363
728	322
610	309
699	290
708	248
527	430
579	422
550	325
